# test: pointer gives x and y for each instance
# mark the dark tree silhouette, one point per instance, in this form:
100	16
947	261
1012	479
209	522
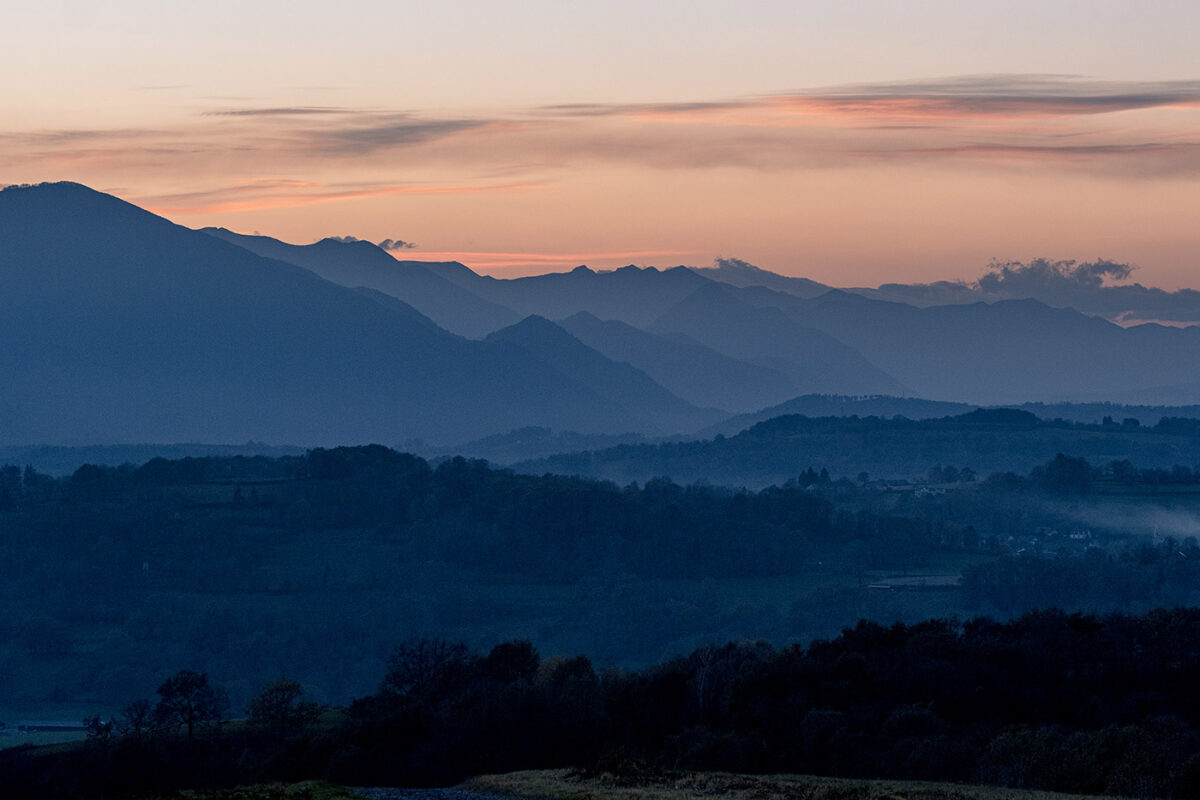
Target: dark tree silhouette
188	700
282	707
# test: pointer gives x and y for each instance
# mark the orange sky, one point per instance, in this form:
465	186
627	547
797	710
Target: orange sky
482	137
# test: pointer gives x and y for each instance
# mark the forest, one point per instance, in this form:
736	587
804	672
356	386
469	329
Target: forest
316	565
1069	702
314	598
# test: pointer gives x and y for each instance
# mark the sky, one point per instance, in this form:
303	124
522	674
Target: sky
855	143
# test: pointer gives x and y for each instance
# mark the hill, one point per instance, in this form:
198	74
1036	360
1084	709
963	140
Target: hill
568	784
779	449
617	384
156	333
715	316
630	294
699	374
363	264
1011	351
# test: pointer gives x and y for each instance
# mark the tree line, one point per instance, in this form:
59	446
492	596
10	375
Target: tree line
1068	702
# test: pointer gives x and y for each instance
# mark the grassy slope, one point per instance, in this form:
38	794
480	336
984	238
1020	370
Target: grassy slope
559	785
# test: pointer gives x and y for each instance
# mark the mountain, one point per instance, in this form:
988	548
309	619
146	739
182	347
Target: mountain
781	448
832	405
715	316
120	326
525	444
359	263
629	294
617	384
824	405
739	273
698	374
1041	281
1008	352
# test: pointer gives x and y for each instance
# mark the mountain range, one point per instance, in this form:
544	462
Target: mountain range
121	326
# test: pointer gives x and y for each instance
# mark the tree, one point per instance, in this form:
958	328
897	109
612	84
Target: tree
512	661
137	719
428	669
281	706
99	731
187	700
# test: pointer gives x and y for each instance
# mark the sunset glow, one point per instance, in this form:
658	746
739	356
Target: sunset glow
483	137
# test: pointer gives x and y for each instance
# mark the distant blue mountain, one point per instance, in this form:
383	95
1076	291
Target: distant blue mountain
619	384
359	263
118	326
699	374
717	317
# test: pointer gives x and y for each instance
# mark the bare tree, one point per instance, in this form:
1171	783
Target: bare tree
281	706
187	700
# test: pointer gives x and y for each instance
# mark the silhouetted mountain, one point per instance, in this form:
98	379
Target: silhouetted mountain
121	326
57	461
363	264
618	385
824	405
528	443
736	272
817	362
698	374
922	295
630	294
1011	351
833	405
1062	284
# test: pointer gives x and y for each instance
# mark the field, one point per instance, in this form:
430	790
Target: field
562	785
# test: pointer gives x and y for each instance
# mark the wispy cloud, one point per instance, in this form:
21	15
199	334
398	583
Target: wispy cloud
1133	129
364	135
961	96
281	111
1005	95
282	193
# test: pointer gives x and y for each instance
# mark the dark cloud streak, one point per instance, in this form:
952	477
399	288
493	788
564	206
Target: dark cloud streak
283	111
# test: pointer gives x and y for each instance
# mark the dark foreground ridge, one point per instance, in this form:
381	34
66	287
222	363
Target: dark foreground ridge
1066	702
386	793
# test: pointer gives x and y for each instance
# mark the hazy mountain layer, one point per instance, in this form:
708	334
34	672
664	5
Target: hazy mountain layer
736	272
781	448
632	295
823	405
363	264
121	326
696	373
617	384
815	361
1013	351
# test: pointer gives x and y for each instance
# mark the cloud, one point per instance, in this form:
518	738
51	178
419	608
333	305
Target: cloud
386	244
1008	95
606	110
280	193
1005	95
992	122
1042	275
364	135
283	111
1093	287
1100	288
396	244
